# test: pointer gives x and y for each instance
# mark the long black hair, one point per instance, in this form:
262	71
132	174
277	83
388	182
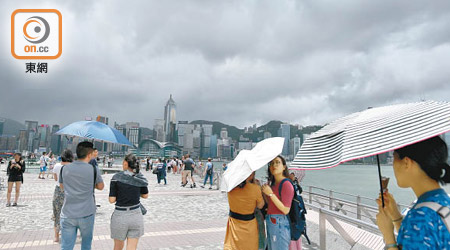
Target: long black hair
431	155
270	177
20	155
133	163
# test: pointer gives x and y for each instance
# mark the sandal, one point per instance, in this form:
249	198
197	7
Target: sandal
14	204
8	204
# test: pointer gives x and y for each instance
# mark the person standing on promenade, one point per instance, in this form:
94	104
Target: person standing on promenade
93	161
147	166
187	172
43	161
58	195
51	164
242	227
209	172
179	165
110	160
421	167
161	171
224	167
15	170
277	222
78	180
173	163
126	189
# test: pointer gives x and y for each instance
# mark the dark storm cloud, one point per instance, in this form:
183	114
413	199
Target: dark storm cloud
239	62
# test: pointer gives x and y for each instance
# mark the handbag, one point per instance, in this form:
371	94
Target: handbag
143	209
155	171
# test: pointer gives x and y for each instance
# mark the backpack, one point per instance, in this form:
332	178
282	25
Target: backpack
296	216
443	211
209	171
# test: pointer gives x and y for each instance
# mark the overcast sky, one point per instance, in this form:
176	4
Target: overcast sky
234	61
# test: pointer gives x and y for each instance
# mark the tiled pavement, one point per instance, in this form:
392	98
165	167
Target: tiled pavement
177	218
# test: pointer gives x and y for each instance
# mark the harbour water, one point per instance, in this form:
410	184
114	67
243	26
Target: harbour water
359	180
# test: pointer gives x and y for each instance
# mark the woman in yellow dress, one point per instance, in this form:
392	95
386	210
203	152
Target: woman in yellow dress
242	227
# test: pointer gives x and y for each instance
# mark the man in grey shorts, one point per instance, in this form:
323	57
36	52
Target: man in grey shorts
78	180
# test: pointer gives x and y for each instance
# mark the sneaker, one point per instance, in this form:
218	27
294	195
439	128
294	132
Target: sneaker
14	204
8	204
194	185
210	187
191	186
202	186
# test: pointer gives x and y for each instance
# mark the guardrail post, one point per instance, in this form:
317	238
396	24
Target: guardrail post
322	230
330	203
358	207
310	194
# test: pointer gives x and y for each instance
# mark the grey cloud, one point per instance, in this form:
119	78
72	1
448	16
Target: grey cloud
238	62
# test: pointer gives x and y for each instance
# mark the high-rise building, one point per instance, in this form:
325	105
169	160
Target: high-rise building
285	131
23	142
206	134
158	128
223	133
170	120
55	141
132	132
2	124
32	136
181	128
294	146
7	143
102	119
213	146
44	134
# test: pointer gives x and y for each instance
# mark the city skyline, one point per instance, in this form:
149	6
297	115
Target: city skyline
243	62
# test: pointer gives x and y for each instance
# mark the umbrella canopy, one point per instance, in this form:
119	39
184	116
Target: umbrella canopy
372	132
248	161
94	130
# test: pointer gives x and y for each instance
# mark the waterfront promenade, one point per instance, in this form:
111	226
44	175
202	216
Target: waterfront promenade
177	218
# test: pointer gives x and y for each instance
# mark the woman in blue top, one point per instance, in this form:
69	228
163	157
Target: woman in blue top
420	166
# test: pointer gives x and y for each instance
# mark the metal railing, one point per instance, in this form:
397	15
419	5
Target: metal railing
352	209
354	206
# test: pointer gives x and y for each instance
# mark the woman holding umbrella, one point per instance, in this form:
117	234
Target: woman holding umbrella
242	227
422	167
278	228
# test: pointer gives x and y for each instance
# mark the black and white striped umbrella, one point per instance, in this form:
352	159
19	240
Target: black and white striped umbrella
372	132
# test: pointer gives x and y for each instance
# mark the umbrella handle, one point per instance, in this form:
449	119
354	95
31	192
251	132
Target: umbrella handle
381	183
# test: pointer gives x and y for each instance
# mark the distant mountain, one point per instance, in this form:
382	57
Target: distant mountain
12	127
258	135
233	131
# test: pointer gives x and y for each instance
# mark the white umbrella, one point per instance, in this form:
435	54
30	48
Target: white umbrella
248	161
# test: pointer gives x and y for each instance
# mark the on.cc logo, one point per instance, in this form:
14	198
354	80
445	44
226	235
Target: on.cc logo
37	24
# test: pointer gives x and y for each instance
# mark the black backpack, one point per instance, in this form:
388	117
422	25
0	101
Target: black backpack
297	218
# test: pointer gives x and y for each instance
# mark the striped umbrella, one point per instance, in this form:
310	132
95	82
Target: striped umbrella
371	132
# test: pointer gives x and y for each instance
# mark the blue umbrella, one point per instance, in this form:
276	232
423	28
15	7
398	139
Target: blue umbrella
96	131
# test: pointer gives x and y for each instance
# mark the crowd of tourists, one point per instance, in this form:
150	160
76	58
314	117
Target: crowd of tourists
261	216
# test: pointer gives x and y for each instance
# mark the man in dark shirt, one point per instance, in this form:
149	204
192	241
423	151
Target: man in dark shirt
187	172
93	161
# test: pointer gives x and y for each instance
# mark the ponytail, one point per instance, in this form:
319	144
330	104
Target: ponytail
431	155
445	176
133	163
